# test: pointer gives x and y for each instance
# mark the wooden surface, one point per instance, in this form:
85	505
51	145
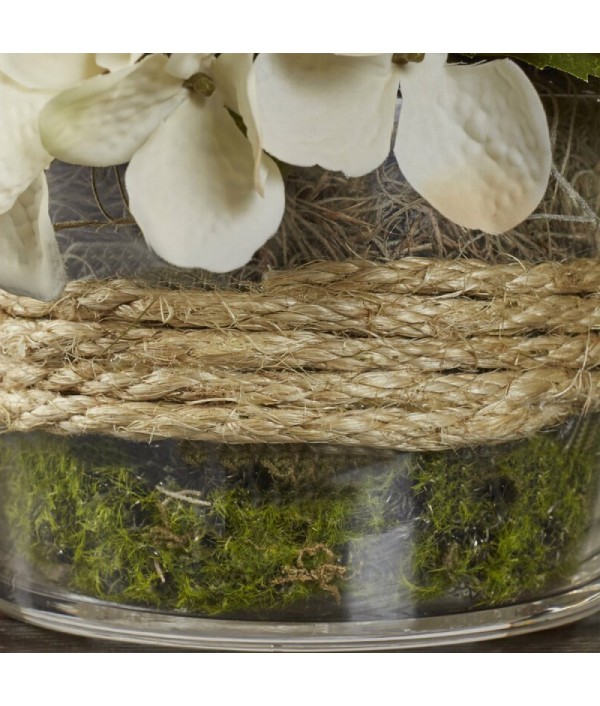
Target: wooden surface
583	636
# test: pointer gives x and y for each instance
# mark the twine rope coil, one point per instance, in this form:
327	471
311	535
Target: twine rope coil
415	354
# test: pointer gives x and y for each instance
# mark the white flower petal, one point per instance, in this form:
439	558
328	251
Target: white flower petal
191	190
30	262
104	120
185	65
235	78
336	111
49	71
114	62
473	140
22	156
230	73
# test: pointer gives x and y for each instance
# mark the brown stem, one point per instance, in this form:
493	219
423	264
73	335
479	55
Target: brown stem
66	225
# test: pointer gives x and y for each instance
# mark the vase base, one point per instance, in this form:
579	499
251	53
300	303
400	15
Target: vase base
75	615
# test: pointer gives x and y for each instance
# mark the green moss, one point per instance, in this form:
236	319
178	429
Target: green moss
216	529
505	526
120	540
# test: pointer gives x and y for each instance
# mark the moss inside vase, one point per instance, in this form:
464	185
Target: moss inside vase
505	530
248	531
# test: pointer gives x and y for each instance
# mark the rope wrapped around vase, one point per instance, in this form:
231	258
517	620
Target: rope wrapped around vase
416	354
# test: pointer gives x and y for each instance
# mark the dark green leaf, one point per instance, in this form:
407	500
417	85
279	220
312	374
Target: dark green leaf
581	66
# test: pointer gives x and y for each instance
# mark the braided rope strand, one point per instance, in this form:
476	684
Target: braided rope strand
414	355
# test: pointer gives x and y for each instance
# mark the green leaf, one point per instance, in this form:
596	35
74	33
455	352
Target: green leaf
579	65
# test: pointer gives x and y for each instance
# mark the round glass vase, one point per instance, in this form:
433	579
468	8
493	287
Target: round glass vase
131	531
296	547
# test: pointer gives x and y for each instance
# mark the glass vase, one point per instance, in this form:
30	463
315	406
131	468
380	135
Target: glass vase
200	545
192	543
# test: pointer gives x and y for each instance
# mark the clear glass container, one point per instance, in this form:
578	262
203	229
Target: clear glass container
292	547
311	547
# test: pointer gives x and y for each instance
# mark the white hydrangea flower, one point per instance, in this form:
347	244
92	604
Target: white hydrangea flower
472	140
326	109
192	177
30	263
29	258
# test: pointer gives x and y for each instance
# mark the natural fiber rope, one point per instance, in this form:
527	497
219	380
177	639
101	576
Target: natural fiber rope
415	354
365	312
143	349
425	276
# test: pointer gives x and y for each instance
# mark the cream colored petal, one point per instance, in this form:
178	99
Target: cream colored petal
230	73
30	262
49	71
200	208
235	79
185	65
336	111
473	140
22	156
114	62
103	121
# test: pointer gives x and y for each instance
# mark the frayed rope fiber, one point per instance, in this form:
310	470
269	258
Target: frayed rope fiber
416	354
